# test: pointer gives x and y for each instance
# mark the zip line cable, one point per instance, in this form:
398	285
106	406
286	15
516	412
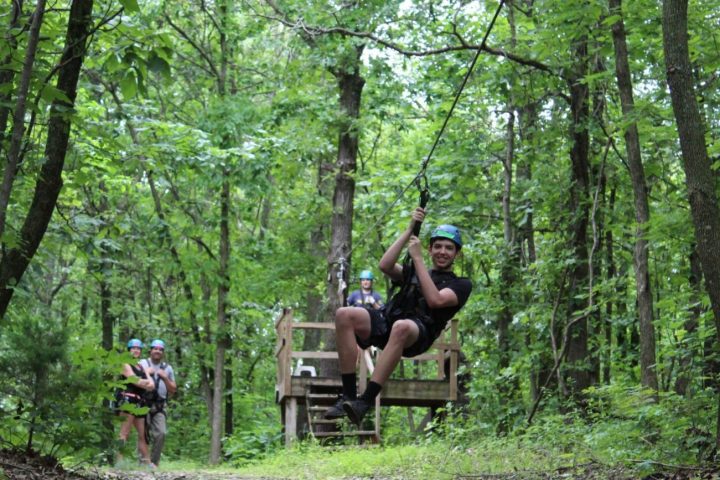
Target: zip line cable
421	173
462	86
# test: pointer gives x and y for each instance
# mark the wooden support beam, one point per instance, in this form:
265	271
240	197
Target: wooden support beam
321	355
314	325
291	411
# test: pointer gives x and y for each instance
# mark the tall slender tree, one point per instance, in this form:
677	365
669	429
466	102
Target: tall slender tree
18	130
579	210
700	180
49	182
648	374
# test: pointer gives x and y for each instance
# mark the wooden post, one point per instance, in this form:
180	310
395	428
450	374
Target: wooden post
454	347
291	410
287	360
363	358
440	356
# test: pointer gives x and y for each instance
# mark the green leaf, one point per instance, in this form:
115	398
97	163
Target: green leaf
51	93
128	85
612	19
159	65
130	5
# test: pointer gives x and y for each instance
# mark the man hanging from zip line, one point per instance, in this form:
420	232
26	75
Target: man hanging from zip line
409	323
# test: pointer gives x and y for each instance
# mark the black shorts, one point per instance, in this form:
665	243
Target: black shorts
380	328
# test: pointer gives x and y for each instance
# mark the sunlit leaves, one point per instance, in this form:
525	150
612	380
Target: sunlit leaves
130	6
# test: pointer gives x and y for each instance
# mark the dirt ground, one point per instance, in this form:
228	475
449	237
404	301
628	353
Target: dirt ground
19	465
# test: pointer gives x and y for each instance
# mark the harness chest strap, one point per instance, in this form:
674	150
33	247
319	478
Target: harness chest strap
409	299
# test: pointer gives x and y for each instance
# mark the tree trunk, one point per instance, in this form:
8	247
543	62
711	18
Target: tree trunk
223	336
511	259
509	270
49	182
648	374
6	72
528	120
577	351
229	402
222	342
699	176
351	85
691	324
18	129
597	218
107	320
611	274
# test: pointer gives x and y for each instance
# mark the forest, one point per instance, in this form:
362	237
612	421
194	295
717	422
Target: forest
186	170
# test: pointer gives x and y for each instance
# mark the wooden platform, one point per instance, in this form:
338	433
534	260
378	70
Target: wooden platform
399	392
437	388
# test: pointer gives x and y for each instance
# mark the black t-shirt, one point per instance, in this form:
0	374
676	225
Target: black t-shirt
460	285
410	303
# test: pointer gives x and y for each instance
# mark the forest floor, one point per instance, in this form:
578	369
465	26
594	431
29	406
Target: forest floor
18	465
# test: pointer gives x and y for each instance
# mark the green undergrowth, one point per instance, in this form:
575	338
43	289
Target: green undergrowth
621	430
429	461
438	460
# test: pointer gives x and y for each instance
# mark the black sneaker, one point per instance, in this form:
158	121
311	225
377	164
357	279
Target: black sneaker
336	411
356	410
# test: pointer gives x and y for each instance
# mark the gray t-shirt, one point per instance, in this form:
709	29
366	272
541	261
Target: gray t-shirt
161	387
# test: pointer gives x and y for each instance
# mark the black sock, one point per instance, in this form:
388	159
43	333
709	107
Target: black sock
349	383
372	391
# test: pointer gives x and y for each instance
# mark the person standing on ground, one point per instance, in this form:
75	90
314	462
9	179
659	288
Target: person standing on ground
163	377
410	322
365	295
134	394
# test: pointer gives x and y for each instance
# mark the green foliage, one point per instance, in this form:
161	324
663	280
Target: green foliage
259	437
625	432
162	123
54	397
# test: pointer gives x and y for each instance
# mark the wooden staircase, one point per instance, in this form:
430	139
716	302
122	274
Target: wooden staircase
318	398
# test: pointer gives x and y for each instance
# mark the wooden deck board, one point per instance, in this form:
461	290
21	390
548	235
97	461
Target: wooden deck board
418	393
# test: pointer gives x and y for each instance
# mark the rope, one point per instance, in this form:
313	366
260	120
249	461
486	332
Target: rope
421	173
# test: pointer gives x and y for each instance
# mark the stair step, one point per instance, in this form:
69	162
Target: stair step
317	409
322	401
352	433
323	396
324	421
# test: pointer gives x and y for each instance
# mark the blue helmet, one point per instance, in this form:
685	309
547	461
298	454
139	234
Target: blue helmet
367	275
450	232
157	343
134	342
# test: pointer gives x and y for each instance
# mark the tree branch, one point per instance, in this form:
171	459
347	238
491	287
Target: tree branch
313	32
192	42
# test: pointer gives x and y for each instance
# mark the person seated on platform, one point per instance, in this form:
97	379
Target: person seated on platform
365	295
409	323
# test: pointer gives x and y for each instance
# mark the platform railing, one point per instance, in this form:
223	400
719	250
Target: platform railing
445	349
